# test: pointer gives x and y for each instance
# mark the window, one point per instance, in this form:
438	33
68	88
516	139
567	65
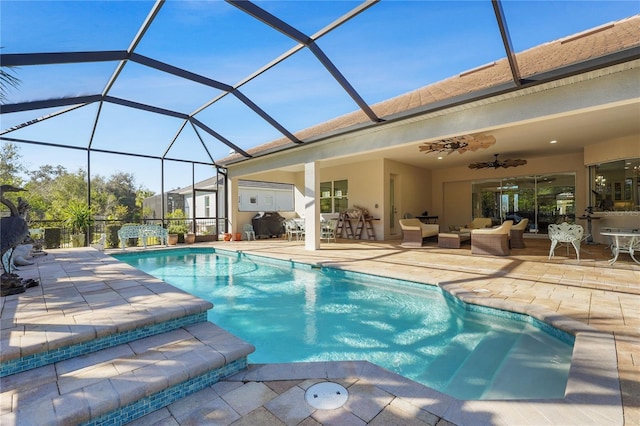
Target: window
615	186
334	196
254	196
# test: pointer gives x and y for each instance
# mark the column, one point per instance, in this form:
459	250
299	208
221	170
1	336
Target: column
311	206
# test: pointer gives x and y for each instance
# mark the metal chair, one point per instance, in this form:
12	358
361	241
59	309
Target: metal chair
328	230
565	233
292	228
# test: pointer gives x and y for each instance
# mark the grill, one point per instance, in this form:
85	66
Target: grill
268	225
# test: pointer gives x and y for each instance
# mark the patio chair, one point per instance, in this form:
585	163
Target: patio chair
492	241
565	233
292	228
328	230
414	232
249	232
477	223
517	233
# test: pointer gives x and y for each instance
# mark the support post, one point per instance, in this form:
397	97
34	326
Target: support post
311	206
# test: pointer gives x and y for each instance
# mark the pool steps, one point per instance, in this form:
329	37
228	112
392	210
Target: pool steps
144	345
124	382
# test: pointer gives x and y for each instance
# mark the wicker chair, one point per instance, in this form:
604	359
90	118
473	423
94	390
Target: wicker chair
517	233
414	231
477	223
492	241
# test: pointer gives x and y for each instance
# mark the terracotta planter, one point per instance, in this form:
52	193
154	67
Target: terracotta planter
190	238
173	239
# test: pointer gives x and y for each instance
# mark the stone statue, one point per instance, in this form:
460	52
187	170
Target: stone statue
13	232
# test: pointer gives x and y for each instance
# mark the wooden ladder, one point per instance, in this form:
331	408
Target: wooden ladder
359	226
371	233
344	223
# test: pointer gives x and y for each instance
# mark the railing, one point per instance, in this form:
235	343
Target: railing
58	235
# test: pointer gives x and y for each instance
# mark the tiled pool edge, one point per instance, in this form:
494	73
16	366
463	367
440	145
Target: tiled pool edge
40	359
163	398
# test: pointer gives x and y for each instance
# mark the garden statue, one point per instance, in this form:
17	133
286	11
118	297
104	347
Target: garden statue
13	232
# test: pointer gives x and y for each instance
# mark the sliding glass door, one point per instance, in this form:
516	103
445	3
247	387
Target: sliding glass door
542	199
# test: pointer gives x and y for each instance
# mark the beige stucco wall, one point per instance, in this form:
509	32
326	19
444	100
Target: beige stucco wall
618	149
412	195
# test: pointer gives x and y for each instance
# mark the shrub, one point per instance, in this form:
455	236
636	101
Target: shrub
52	237
112	240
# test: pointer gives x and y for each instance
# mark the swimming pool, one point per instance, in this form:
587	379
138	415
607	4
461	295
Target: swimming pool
294	313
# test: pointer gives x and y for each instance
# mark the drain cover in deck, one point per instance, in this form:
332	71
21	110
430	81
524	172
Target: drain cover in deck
326	396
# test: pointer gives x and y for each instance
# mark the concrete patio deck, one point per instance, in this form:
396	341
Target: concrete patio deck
602	302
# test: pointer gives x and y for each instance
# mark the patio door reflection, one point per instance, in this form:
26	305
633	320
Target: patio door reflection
542	199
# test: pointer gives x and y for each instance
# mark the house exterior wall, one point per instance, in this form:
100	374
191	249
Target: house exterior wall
618	149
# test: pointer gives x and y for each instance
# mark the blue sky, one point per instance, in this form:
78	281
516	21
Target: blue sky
389	49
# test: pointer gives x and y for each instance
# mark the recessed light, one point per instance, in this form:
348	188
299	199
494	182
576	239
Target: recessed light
440	158
553	141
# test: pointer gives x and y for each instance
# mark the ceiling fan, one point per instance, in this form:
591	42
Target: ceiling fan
498	163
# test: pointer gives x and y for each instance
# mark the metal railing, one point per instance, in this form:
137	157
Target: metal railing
55	234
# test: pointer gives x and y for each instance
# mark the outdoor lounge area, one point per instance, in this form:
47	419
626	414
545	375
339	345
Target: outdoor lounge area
556	290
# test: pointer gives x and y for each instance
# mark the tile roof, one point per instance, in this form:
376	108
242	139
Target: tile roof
605	39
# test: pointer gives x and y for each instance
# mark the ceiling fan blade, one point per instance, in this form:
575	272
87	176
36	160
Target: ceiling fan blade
480	165
513	163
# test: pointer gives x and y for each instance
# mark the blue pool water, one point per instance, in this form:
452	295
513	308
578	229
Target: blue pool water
294	313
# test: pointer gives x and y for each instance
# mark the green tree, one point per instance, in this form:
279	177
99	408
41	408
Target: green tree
140	196
122	186
11	165
10	168
52	188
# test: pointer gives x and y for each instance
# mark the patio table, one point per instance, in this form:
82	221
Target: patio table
624	246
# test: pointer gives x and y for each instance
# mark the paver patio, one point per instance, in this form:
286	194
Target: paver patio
584	295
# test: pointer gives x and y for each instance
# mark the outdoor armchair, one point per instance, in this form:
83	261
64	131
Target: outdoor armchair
478	223
493	241
517	233
414	232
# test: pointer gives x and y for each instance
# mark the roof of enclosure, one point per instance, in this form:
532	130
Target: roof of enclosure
194	81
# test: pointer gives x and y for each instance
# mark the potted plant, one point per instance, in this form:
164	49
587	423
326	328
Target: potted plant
177	227
190	238
78	216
